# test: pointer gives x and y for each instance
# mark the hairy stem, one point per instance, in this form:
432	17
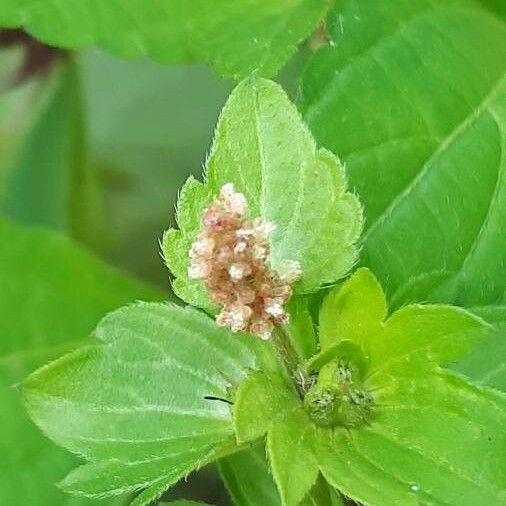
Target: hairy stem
289	356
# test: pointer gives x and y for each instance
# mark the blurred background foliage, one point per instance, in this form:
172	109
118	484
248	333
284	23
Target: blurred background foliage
135	129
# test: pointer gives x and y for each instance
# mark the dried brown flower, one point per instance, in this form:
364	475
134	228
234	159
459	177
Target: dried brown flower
230	255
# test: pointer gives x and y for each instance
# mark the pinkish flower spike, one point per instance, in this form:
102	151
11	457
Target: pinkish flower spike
230	256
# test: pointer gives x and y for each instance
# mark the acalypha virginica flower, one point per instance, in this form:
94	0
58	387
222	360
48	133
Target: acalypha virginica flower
230	255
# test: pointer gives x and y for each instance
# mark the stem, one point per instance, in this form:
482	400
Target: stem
289	356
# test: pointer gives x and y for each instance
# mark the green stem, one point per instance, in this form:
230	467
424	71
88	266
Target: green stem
289	356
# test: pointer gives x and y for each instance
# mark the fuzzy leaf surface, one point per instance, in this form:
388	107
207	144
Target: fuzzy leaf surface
273	401
354	310
235	36
53	293
294	466
144	404
436	441
413	99
267	403
263	147
301	327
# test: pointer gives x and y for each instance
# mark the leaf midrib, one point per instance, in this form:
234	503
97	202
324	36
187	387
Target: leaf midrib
445	144
128	410
493	199
186	437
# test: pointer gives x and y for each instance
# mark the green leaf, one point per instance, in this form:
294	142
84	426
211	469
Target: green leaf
235	36
108	478
267	403
177	243
430	433
262	399
53	293
486	364
412	339
492	314
147	405
435	441
301	328
248	478
356	309
183	502
154	491
413	98
249	482
262	146
290	444
51	182
435	334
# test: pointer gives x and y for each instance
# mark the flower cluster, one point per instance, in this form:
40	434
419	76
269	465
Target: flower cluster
230	255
